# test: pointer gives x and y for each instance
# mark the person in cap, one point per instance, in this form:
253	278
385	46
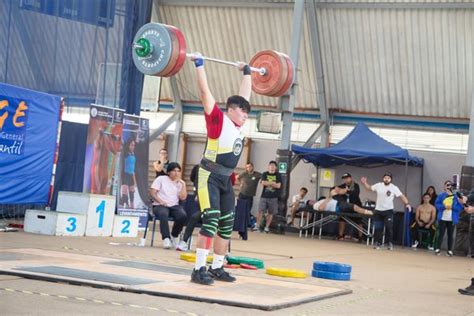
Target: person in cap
166	192
349	192
386	192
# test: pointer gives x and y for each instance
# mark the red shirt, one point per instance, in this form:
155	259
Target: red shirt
214	122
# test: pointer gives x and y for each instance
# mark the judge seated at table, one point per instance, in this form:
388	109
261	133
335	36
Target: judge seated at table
329	204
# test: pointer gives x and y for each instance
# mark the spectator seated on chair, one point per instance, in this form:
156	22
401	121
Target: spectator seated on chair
425	218
329	204
298	204
166	192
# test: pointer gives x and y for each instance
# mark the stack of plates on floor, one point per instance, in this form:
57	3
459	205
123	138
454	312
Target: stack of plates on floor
332	271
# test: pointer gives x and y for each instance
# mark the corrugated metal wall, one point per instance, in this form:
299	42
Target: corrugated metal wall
414	62
233	34
60	56
403	61
396	1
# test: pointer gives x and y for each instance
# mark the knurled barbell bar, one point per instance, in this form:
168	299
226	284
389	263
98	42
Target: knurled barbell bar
261	71
160	50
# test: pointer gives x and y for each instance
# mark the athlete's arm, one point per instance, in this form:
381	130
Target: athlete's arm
205	94
246	83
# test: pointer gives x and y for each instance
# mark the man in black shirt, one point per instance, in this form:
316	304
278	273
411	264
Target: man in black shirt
271	181
350	193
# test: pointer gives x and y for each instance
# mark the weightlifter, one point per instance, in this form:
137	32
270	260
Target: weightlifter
216	195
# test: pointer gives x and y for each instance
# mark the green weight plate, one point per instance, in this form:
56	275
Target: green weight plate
252	261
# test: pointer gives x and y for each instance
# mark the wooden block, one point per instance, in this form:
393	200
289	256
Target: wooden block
40	222
99	209
100	215
54	223
70	224
73	202
125	226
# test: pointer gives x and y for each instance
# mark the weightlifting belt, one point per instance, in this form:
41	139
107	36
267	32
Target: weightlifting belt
213	167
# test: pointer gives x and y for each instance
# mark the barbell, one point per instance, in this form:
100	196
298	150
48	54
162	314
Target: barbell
160	50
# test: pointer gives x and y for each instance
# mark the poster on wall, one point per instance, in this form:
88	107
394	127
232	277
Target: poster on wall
28	133
133	181
104	141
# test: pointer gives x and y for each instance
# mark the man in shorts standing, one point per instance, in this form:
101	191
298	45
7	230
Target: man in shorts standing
271	181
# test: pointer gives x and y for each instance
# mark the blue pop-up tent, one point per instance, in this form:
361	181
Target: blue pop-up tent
362	148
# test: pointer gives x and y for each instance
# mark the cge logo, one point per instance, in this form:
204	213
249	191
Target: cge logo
17	120
12	126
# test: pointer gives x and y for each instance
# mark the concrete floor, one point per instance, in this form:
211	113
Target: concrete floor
396	282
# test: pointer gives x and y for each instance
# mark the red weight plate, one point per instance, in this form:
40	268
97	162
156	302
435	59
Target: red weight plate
174	52
231	266
291	74
275	77
182	51
289	78
248	266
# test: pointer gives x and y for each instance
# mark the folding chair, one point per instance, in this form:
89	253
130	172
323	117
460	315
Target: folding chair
153	218
425	242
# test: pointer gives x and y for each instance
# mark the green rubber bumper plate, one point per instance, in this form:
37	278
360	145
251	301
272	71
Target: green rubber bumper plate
252	261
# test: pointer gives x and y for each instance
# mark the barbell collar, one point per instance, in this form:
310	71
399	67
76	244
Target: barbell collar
143	47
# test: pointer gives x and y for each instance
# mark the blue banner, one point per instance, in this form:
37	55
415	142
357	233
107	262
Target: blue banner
104	140
28	134
95	12
133	194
